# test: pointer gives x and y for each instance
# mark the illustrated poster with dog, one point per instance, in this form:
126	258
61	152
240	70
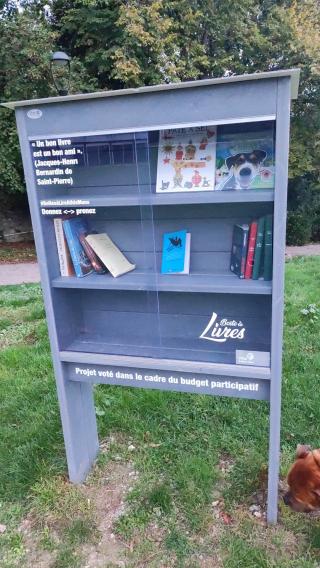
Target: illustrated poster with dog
245	157
186	159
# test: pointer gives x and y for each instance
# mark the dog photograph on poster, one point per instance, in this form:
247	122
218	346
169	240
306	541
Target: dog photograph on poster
245	159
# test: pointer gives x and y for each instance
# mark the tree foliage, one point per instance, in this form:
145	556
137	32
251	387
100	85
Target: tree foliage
26	42
129	43
24	74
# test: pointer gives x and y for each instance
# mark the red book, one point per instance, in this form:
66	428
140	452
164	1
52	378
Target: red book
251	247
95	261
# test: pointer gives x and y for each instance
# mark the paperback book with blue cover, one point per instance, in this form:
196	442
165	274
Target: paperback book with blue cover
74	229
176	253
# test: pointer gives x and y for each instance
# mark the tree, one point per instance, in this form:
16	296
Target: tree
24	74
304	19
129	43
87	30
26	43
142	42
304	185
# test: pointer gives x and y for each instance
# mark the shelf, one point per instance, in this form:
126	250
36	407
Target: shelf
120	199
226	283
223	369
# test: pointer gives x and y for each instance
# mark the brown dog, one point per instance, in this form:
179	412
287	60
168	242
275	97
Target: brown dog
304	481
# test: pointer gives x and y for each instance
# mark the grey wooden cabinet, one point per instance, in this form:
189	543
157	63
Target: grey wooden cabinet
95	155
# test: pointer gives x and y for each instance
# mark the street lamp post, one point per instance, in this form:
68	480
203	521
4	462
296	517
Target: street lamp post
60	71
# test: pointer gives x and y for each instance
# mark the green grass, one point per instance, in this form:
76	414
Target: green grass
180	442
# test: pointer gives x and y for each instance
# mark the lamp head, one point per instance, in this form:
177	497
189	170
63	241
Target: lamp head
60	71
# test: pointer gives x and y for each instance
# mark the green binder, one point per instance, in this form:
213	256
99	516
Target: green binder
268	248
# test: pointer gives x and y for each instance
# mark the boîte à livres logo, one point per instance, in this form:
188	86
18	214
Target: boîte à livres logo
223	329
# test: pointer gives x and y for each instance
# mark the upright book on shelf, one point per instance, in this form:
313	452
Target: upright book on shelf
186	159
239	249
257	271
65	262
74	228
251	248
268	232
176	253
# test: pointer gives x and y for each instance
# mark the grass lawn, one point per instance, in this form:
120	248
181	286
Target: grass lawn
177	475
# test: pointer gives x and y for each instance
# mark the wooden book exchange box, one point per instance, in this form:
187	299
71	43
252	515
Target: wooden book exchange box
206	158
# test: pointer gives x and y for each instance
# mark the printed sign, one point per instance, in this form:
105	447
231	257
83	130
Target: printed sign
63	202
54	161
256	358
81	162
257	389
69	212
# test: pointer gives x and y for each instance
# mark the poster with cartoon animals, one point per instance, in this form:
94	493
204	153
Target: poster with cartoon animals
186	159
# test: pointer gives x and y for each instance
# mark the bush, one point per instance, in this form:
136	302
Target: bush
299	228
303	221
315	236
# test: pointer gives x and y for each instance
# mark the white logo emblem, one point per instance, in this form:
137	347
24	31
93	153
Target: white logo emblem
250	356
34	113
222	330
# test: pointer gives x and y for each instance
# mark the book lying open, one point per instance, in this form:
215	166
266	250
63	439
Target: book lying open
109	254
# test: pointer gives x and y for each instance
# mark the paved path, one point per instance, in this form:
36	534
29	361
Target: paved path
29	271
20	273
313	249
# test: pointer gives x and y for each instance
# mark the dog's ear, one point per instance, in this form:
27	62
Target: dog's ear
302	451
232	160
261	154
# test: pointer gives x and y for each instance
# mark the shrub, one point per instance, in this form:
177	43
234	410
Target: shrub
299	228
315	236
303	221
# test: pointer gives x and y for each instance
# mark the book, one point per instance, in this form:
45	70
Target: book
65	262
239	249
176	253
245	157
109	254
268	232
257	271
96	263
251	248
186	159
73	229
